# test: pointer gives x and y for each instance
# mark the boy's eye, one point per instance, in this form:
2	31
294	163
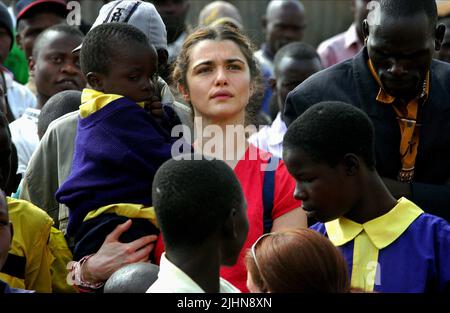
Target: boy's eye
133	77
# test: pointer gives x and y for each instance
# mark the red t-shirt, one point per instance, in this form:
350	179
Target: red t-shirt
249	173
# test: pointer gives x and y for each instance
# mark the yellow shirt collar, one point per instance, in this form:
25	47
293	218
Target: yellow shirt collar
382	95
93	100
382	230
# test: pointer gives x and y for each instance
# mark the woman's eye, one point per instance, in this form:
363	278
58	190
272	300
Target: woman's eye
203	70
234	67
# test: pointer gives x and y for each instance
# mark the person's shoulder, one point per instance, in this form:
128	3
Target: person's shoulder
338	75
433	222
63	121
32	214
441	71
331	42
22	89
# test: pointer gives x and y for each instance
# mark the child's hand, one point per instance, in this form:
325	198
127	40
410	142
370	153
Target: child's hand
154	107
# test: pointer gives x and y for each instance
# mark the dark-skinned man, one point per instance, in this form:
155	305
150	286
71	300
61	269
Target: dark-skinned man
404	92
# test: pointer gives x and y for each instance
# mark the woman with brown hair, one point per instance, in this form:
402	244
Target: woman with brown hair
297	260
217	76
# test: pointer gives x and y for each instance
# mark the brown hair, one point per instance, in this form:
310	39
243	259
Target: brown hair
220	32
298	260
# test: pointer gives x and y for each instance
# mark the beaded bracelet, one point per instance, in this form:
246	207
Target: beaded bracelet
76	275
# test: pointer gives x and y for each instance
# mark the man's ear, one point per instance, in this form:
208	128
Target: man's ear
439	34
31	65
365	30
351	164
95	80
184	92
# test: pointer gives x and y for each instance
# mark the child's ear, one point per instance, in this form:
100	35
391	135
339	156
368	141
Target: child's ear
351	164
95	80
184	92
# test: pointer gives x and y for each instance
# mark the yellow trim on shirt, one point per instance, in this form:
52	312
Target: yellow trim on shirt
382	230
370	237
365	265
130	210
94	100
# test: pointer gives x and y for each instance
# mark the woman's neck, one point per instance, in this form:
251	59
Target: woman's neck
222	139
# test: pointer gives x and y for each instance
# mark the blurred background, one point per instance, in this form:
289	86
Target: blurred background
325	17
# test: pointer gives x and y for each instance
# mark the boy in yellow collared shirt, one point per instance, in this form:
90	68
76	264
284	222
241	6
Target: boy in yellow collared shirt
390	245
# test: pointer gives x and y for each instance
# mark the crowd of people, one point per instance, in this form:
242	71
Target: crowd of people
140	154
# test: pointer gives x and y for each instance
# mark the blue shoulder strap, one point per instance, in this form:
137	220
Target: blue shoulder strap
268	194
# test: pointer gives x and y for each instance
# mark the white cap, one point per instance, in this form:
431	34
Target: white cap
142	15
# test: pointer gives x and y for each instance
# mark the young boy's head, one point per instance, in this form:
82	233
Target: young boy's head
6	230
116	58
54	67
58	105
199	203
293	63
132	278
5	151
328	150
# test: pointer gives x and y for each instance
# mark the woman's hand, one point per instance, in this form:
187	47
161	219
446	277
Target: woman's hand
113	254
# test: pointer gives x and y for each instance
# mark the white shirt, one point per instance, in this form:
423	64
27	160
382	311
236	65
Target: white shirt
19	97
341	47
171	279
270	138
25	137
264	61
